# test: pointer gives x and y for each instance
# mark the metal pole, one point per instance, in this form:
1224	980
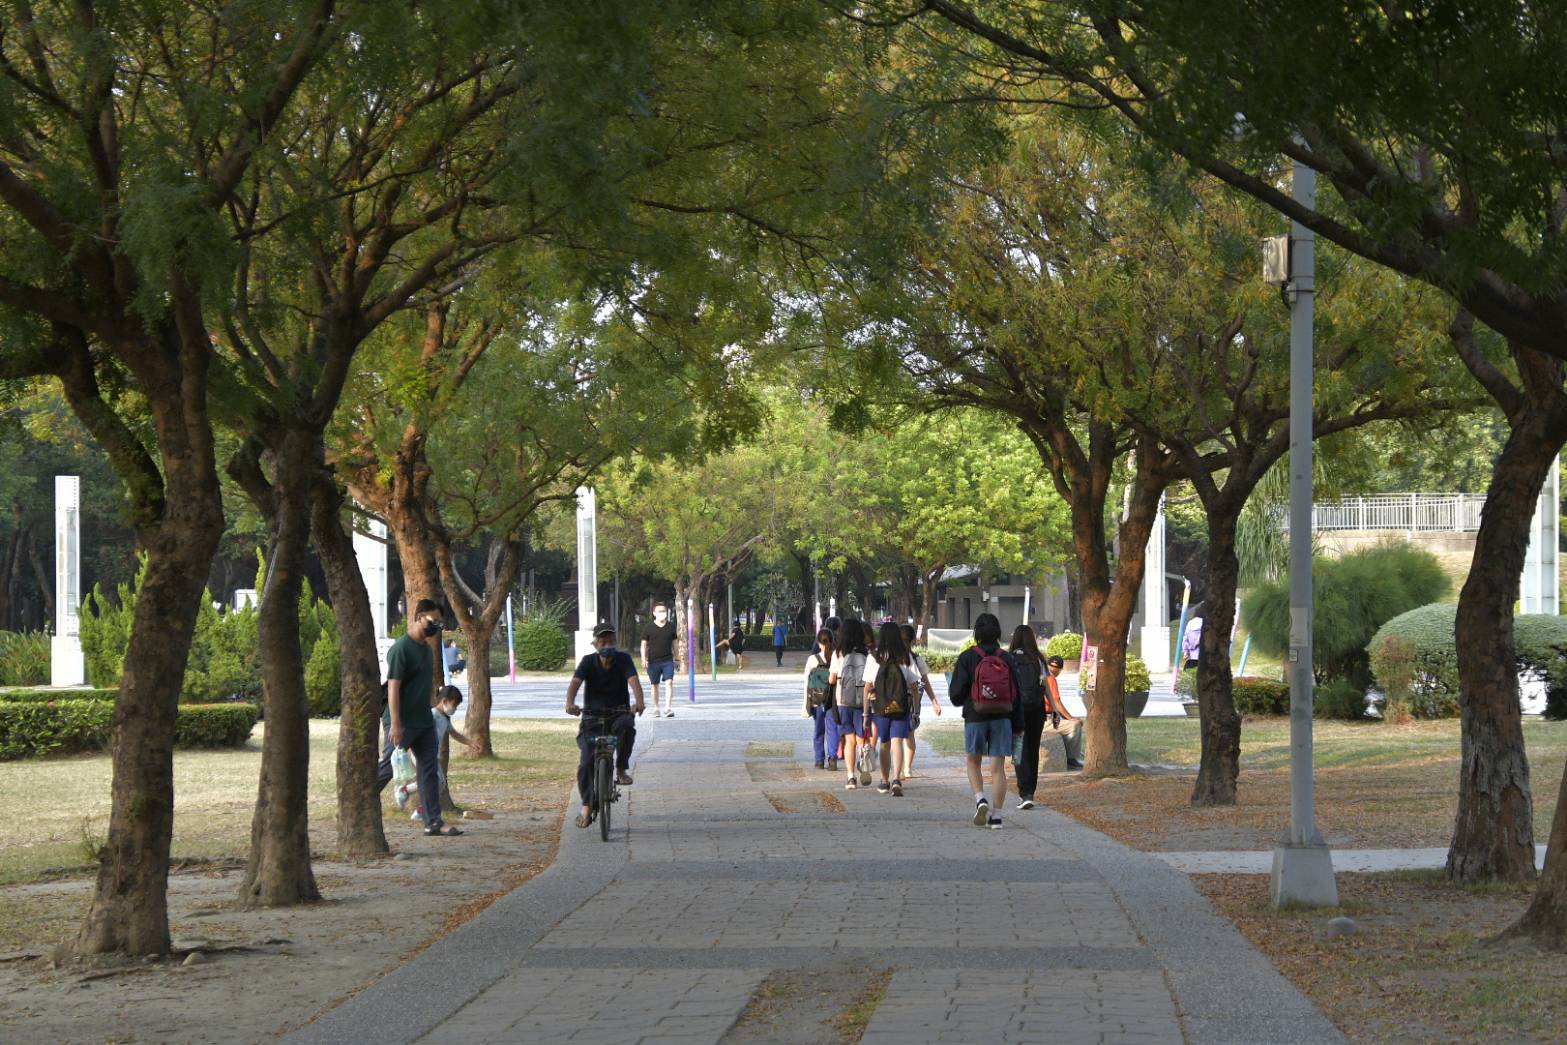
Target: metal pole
1302	863
691	646
511	645
816	597
712	638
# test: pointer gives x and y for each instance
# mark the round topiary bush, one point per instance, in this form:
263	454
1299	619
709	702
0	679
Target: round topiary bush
1417	651
542	645
1068	646
1137	678
1260	696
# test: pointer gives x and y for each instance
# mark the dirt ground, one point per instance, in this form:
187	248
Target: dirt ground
1419	967
259	974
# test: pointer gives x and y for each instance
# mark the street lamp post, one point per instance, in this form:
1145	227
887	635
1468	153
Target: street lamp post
1302	862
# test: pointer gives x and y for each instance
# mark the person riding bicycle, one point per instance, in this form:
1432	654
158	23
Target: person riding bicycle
609	674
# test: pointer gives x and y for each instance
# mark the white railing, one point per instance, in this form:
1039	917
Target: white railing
1408	512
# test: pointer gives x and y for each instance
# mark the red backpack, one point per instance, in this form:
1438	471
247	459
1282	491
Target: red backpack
994	691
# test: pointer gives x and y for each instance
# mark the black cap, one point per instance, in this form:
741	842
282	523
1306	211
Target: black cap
603	629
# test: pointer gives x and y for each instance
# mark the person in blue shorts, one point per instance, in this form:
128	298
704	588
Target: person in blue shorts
980	682
893	727
658	658
850	658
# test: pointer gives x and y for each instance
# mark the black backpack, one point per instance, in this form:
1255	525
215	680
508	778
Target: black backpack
1032	694
891	698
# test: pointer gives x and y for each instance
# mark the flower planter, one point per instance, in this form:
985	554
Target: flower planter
1072	664
1193	710
1136	701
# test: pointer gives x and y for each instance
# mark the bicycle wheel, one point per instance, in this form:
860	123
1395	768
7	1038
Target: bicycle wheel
604	786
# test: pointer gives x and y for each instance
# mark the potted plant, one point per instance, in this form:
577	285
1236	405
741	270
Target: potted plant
1186	689
1138	682
1069	647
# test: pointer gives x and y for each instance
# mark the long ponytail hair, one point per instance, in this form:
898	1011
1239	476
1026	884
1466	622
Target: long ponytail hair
1026	642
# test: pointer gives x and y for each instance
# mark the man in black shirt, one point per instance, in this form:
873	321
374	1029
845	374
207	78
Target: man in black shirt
609	676
658	657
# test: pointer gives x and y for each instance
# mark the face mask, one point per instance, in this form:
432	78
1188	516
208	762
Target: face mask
659	617
432	627
607	652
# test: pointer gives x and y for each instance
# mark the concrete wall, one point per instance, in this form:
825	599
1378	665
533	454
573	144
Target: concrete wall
958	604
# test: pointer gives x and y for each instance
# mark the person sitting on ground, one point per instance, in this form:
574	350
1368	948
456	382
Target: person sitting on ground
610	677
453	659
445	708
1061	722
985	685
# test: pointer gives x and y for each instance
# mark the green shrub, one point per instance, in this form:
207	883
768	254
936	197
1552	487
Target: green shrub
58	727
1260	696
1340	699
940	661
1137	678
1186	684
106	630
25	658
214	725
49	696
1539	645
1353	597
324	680
1393	664
542	645
1068	646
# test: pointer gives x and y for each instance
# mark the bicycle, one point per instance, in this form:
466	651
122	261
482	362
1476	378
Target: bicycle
604	747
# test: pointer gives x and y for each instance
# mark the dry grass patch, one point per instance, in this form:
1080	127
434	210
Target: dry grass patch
1418	969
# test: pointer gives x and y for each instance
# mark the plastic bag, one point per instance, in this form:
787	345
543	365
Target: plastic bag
402	766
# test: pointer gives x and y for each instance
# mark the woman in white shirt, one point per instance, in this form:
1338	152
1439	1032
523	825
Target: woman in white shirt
849	667
892	710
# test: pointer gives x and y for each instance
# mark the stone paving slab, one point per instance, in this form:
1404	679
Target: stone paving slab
1261	862
1044	931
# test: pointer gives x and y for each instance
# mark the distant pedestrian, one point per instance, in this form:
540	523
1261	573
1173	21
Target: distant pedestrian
735	644
985	686
452	658
608	679
410	682
847	675
1191	643
925	689
1031	673
818	701
780	634
658	659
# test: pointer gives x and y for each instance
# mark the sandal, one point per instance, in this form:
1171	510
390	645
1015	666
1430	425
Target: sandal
583	821
442	831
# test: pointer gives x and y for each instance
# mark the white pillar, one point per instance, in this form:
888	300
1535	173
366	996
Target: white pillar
67	667
587	569
1540	586
1156	602
370	551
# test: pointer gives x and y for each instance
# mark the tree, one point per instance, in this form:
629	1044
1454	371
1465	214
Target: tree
1437	144
112	188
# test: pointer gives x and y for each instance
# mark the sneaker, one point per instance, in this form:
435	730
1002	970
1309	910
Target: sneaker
1074	765
832	764
883	787
995	823
401	794
1027	803
416	815
851	785
897	789
819	763
669	714
981	813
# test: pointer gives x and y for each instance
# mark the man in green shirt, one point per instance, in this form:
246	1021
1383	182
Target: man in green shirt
410	680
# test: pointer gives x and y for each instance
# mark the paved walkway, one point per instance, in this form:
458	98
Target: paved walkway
737	866
1261	862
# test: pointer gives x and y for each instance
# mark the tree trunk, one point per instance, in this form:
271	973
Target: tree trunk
1221	724
1104	728
129	908
928	581
46	580
278	873
360	832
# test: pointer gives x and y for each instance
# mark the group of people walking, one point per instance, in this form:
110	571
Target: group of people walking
864	689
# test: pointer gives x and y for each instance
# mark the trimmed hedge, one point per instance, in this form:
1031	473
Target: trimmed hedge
1261	696
31	728
1068	646
214	725
1137	678
1415	659
50	696
542	645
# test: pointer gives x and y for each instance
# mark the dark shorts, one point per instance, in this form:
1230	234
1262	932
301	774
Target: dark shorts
660	671
890	727
850	720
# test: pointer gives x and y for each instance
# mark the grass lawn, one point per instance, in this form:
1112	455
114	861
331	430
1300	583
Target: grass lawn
1377	785
66	812
1419	967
